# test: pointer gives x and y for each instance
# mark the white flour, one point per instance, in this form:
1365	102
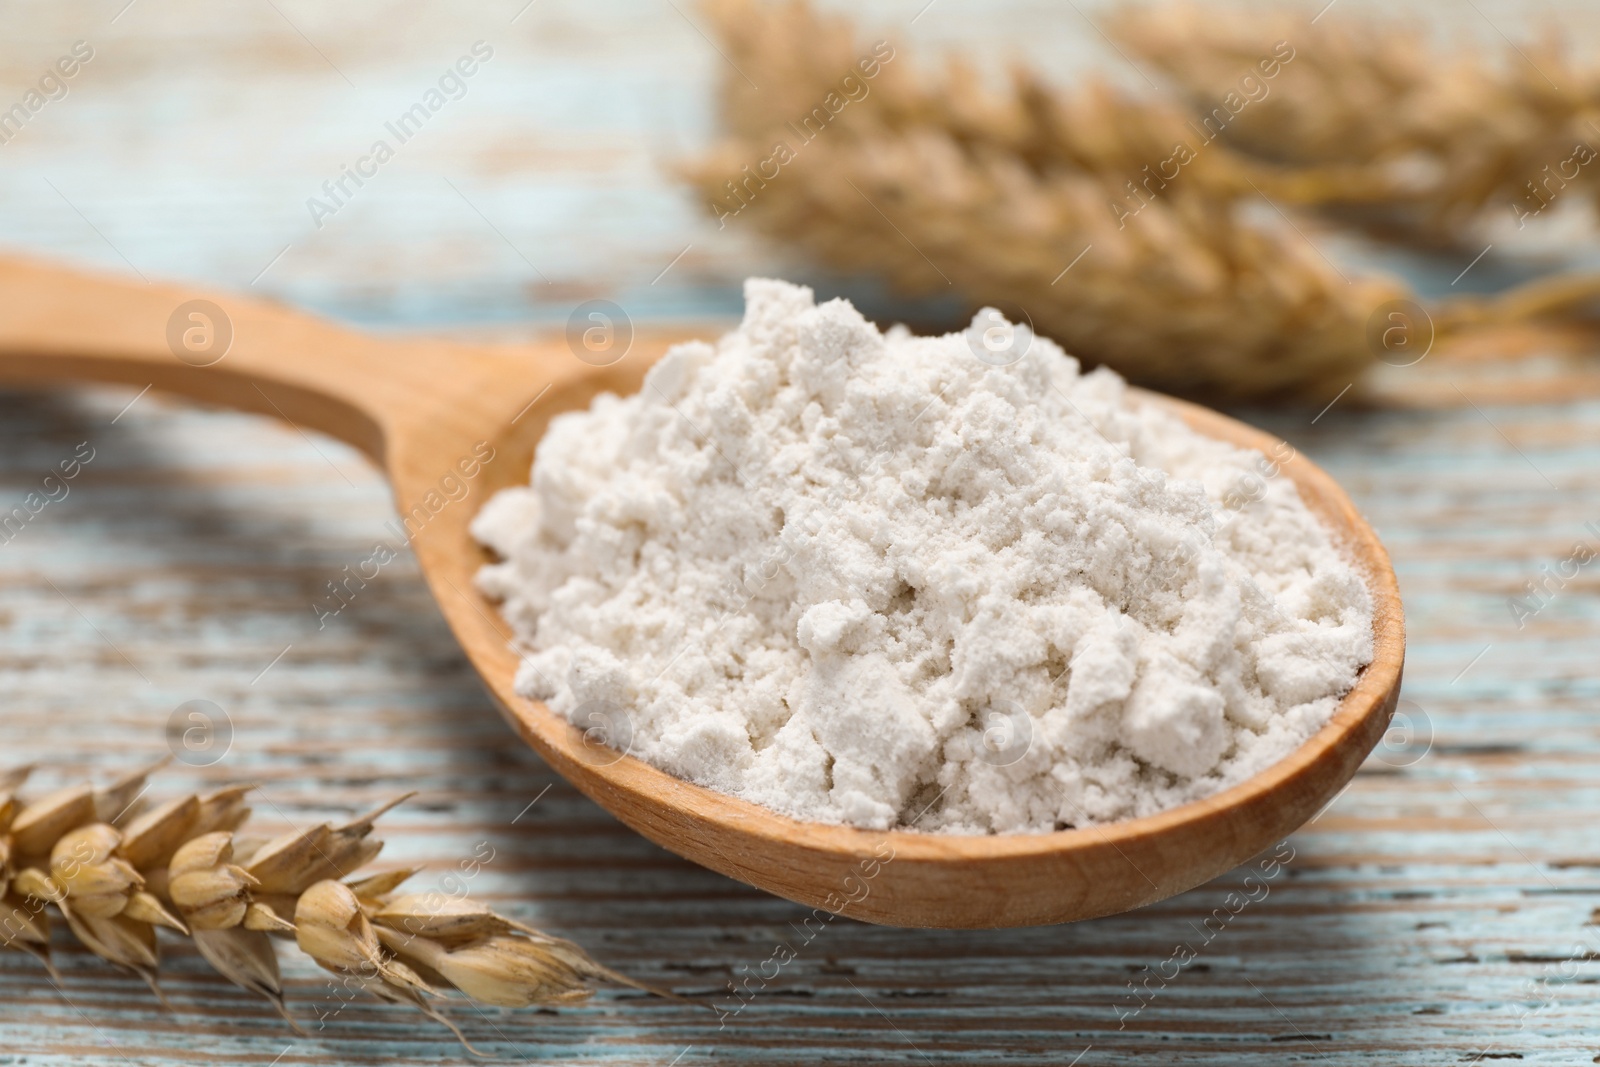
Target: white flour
872	579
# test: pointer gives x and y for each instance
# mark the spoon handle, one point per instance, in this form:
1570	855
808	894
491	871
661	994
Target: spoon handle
60	324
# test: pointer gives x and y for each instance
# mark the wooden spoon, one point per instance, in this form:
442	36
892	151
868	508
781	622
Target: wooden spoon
423	408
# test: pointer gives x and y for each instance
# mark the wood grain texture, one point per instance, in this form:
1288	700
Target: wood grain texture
189	146
1439	897
1433	915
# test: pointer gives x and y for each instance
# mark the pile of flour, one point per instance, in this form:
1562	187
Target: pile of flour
873	579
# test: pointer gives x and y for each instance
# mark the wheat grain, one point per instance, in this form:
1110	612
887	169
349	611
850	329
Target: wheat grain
183	866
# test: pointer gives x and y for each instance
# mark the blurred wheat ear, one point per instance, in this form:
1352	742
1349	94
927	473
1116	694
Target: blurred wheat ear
1366	118
115	869
1028	195
1126	227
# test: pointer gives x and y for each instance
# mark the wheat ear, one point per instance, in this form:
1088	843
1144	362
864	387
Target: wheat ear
1368	120
1026	195
115	869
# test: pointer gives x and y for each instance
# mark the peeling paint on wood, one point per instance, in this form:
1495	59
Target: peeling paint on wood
1440	912
1433	912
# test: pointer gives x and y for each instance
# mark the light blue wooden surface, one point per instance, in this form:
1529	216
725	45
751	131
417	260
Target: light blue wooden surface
1431	916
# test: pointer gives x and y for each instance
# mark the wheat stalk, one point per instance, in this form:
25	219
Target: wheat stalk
943	183
116	870
1370	120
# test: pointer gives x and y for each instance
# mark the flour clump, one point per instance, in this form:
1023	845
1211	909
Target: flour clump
920	582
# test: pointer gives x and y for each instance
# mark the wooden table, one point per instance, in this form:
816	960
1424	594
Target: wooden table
1438	913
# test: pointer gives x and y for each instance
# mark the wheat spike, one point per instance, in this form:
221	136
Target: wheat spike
1370	120
181	865
942	184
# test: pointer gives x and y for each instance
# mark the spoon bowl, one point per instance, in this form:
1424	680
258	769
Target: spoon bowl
428	412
